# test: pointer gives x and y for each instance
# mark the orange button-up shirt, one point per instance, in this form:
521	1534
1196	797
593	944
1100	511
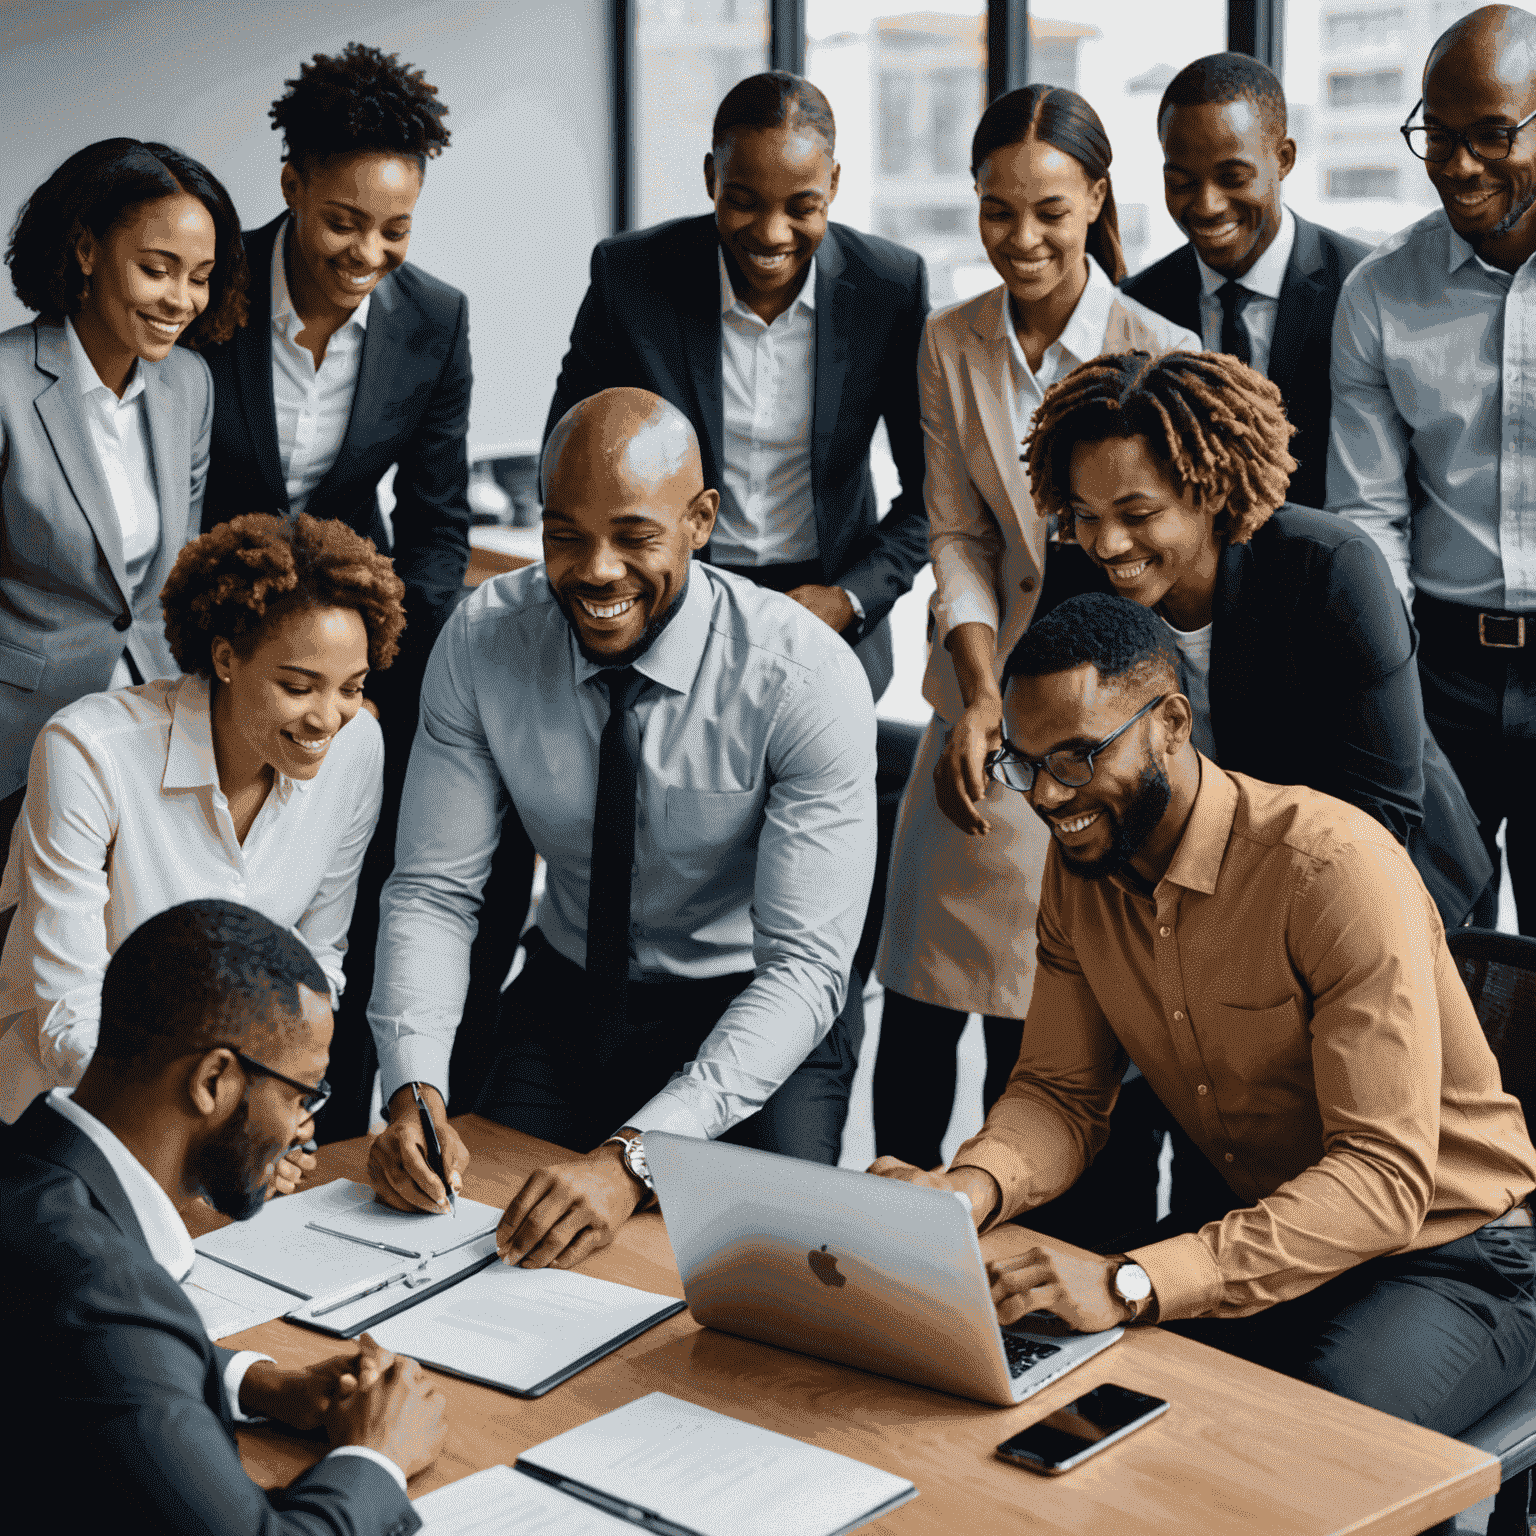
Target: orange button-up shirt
1287	991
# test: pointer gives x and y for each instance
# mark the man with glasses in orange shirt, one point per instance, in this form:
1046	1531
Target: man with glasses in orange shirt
1271	960
1431	446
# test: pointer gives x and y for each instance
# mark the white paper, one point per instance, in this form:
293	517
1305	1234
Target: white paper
336	1313
351	1207
276	1244
717	1475
518	1327
499	1501
229	1302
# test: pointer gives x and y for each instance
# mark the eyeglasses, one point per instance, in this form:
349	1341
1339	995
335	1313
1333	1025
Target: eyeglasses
1071	767
1484	142
315	1095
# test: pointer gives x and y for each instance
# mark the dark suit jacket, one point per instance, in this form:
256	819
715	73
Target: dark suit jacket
411	409
1313	681
651	319
1301	353
125	1426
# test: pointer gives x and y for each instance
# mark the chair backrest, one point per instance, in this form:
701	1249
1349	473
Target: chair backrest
1499	971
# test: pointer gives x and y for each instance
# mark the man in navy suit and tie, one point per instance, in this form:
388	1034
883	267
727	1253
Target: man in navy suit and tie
784	339
1254	280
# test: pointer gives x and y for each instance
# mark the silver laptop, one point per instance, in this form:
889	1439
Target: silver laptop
849	1267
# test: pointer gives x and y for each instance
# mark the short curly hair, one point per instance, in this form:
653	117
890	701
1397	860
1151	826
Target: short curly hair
96	189
256	570
1215	425
359	100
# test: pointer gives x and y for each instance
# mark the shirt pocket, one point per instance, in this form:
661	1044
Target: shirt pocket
20	668
1264	1054
702	821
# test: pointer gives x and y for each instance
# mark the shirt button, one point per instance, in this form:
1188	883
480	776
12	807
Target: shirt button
1177	1014
1165	932
1027	585
1227	1156
1202	1090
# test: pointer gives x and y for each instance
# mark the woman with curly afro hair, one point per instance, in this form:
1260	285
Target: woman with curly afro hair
256	777
129	254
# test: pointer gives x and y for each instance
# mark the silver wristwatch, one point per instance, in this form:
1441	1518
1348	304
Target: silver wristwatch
634	1158
1133	1285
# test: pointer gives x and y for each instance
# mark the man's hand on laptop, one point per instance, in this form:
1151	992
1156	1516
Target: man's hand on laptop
567	1211
397	1159
976	1184
1079	1290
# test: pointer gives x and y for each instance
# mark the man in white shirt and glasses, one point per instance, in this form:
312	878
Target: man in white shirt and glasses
1432	446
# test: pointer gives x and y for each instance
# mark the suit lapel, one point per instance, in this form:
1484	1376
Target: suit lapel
1181	303
170	442
698	319
1232	638
252	348
48	1135
834	346
61	410
1300	296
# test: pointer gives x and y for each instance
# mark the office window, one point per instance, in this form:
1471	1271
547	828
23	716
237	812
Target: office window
1121	54
688	54
907	83
1346	97
1362	181
1370	88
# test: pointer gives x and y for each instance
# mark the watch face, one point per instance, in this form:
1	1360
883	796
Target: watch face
1132	1282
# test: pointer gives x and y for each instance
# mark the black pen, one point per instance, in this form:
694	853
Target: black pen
435	1159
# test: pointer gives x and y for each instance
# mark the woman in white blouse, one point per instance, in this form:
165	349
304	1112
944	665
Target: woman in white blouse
253	777
129	253
959	932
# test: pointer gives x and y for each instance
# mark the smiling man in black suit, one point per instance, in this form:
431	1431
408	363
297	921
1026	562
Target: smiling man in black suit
1254	280
785	339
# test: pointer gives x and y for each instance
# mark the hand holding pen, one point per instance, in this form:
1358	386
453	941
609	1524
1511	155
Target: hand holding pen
400	1166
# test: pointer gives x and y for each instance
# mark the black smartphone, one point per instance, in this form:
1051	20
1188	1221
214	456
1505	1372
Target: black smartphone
1081	1428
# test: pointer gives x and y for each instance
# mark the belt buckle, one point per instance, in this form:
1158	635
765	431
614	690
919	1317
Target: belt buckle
1506	623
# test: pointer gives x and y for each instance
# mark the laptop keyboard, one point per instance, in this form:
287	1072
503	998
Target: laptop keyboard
1023	1354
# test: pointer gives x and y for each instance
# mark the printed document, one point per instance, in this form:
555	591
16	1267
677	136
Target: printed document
499	1501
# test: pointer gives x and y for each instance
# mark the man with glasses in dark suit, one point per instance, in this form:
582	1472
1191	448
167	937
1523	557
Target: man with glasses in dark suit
1433	454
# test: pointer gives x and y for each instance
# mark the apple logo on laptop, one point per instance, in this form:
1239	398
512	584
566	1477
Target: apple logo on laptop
824	1266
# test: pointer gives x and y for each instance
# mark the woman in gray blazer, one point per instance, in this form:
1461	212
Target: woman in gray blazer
125	251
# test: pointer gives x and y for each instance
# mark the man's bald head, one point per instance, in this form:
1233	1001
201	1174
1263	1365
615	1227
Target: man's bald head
625	507
1497	39
626	434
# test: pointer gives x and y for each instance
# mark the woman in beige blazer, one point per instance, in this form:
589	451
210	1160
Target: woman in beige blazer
959	933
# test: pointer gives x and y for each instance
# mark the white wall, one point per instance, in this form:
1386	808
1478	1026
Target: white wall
509	212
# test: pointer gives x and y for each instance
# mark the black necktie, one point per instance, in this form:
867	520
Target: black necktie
613	853
1234	334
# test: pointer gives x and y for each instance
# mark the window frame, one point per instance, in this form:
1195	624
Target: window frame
1253	26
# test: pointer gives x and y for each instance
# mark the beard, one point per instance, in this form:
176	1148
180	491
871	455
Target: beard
1518	208
630	654
1131	831
232	1168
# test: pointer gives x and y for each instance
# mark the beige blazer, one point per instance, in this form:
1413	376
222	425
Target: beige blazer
960	911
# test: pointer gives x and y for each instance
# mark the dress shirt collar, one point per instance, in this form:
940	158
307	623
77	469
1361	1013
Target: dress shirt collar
1458	253
1196	862
806	296
1083	335
674	659
159	1220
285	317
1266	277
90	380
189	757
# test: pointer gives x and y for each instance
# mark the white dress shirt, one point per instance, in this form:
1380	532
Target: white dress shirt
119	432
1264	279
754	825
1081	340
768	385
123	818
170	1247
313	404
1433	445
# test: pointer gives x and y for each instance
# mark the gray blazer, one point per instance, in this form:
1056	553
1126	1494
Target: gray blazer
66	611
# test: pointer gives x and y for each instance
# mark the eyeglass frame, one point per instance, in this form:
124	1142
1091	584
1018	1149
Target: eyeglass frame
319	1092
995	760
1459	137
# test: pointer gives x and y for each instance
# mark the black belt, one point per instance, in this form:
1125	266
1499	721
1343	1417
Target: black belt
1479	628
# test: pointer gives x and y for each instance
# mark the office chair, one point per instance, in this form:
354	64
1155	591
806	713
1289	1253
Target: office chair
1499	971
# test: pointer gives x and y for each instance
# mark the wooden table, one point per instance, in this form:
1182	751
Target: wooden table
1241	1449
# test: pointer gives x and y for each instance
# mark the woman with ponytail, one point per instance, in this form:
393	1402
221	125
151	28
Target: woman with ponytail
959	933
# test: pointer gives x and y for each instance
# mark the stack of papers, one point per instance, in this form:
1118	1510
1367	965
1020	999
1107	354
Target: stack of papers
668	1467
229	1302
